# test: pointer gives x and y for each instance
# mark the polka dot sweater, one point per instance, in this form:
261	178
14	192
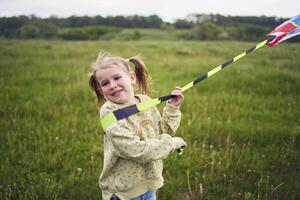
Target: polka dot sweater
134	149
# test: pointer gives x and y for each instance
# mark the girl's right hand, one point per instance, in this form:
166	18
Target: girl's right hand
179	142
178	99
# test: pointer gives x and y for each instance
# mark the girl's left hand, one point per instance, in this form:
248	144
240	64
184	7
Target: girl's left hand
178	99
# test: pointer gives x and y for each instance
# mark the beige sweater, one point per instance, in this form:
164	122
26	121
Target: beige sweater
134	149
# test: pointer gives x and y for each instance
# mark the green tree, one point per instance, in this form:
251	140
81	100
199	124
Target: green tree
204	31
37	29
29	31
183	24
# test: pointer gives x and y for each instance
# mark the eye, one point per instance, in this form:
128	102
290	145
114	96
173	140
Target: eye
117	78
103	84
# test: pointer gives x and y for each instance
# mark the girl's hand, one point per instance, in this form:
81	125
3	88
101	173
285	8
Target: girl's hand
178	99
179	143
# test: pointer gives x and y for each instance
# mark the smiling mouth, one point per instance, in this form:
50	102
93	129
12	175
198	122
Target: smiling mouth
116	93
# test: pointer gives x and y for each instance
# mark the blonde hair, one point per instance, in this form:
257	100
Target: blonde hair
142	76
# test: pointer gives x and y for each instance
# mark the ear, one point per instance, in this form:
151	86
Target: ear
133	78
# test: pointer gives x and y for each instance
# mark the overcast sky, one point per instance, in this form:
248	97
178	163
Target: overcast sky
168	10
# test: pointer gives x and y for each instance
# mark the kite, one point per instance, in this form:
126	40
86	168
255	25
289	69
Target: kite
286	30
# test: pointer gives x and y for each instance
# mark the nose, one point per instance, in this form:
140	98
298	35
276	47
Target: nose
113	85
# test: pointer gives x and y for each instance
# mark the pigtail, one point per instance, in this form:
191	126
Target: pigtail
142	75
94	85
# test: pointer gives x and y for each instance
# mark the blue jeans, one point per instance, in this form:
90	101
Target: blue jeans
151	195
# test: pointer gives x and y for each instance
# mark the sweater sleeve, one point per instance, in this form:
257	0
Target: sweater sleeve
170	119
129	146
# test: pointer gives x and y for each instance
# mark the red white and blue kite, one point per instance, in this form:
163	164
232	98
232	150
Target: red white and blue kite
285	31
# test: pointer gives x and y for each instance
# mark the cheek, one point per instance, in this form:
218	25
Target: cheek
104	90
127	82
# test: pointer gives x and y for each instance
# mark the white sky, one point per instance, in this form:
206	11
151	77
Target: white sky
168	10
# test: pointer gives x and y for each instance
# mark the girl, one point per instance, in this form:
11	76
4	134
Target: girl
133	147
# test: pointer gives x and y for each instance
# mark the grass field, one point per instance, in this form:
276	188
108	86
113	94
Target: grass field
242	125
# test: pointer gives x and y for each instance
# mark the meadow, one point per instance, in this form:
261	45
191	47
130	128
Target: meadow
242	125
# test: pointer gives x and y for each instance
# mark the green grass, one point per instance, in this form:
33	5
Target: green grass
242	125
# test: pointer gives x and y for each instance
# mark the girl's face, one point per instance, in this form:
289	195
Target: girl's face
116	84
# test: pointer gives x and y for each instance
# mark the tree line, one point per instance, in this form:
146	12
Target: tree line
33	26
193	27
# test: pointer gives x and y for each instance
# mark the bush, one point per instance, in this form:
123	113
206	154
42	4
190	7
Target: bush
29	31
86	33
136	35
247	32
204	31
183	24
37	30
